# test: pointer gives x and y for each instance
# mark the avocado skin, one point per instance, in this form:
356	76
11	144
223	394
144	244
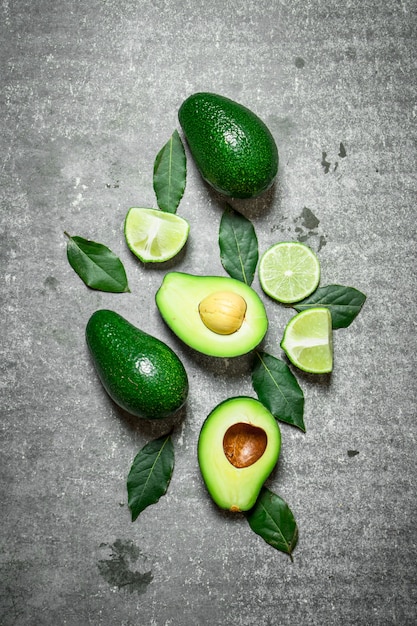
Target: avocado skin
140	373
233	148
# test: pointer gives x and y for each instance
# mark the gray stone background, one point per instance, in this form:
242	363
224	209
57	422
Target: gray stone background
89	94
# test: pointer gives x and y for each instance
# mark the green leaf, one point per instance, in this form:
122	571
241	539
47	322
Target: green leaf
169	174
238	246
272	519
278	389
150	474
344	303
97	266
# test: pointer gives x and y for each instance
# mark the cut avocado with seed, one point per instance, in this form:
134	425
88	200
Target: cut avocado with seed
215	315
140	373
238	448
232	147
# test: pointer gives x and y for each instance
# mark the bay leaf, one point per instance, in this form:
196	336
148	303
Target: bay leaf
238	246
150	474
272	519
97	266
344	303
278	389
169	174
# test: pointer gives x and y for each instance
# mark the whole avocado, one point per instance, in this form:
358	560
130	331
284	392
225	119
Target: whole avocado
140	373
233	149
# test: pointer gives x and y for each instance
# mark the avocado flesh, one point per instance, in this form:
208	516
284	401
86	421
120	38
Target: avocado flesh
232	488
178	300
140	373
232	147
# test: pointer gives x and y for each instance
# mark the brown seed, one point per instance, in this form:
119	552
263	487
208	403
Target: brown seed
244	444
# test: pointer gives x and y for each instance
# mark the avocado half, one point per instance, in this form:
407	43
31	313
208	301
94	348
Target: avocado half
238	447
179	300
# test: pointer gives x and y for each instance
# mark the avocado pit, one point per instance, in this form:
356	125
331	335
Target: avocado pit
223	312
244	444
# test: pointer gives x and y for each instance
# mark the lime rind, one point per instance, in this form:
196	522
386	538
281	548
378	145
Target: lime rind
308	341
289	271
155	236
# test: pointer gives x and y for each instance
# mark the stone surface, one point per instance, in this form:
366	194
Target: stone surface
89	94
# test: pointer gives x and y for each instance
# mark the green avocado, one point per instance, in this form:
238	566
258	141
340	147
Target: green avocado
233	149
140	373
238	447
215	315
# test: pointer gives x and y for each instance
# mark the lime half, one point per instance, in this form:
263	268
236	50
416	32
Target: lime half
154	235
289	271
307	340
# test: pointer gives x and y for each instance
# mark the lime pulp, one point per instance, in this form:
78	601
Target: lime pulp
307	340
154	235
289	271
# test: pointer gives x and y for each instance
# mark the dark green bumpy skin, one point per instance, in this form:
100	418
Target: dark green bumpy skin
233	149
140	373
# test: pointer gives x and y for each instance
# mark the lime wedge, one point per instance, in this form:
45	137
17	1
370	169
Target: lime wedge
307	340
289	271
154	235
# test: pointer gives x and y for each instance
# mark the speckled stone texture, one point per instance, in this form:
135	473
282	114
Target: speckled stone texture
89	94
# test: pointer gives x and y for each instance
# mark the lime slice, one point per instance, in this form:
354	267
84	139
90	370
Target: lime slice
154	235
307	340
289	271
